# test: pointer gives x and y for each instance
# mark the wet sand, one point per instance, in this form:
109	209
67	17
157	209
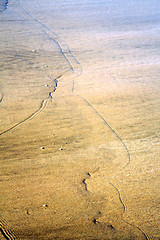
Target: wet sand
79	121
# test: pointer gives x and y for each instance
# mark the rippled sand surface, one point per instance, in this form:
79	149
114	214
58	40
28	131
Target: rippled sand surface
79	106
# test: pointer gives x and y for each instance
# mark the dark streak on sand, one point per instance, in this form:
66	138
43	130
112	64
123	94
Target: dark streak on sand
41	108
112	130
84	181
63	47
5	232
2	98
128	153
119	196
85	184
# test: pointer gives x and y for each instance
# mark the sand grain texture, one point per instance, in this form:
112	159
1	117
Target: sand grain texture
79	109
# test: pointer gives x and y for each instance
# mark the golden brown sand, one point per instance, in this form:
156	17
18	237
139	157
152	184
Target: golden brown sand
83	164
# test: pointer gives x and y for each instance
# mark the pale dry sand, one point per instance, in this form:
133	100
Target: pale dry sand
84	163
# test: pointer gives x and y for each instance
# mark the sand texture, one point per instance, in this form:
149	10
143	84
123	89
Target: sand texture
79	107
